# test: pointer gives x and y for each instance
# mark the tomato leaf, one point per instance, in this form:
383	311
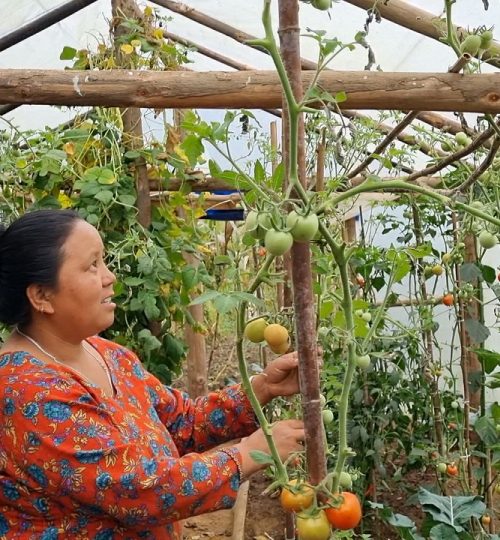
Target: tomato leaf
261	457
489	359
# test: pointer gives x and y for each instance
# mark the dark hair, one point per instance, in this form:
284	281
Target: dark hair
30	253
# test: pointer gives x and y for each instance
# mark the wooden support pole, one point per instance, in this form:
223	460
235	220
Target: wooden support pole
420	21
303	302
248	89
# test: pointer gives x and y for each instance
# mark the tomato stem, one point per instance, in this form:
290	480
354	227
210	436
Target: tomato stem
281	473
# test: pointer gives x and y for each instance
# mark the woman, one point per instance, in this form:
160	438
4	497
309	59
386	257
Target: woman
92	445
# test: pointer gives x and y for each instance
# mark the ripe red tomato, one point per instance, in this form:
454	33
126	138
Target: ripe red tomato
360	280
296	496
448	299
452	469
313	527
348	514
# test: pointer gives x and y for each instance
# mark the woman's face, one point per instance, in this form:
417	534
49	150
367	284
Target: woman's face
81	302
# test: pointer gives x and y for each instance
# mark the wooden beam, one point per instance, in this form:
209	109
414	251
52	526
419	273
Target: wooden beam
421	21
249	89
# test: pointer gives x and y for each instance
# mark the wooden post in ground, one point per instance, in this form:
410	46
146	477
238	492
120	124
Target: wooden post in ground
304	311
196	359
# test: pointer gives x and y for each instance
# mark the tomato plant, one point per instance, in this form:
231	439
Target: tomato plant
347	513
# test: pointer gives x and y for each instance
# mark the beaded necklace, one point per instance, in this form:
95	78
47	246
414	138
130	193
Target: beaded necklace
88	348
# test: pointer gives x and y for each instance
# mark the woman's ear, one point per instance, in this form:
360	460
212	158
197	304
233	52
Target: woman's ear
39	298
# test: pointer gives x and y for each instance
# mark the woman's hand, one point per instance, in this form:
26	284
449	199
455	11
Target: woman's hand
288	436
280	378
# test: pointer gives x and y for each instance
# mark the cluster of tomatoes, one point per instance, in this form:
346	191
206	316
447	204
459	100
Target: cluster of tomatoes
342	511
298	228
275	335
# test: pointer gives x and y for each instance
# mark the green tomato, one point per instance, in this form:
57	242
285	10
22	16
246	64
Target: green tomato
313	526
461	138
441	467
486	39
345	480
367	317
487	240
454	405
303	228
359	313
264	224
278	242
322	5
437	270
327	416
447	258
363	362
471	44
322	400
251	223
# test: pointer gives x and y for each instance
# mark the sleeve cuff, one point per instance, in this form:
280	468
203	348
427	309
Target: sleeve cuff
235	455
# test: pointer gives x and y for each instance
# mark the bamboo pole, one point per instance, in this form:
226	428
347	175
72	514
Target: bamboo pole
305	316
420	21
41	23
249	89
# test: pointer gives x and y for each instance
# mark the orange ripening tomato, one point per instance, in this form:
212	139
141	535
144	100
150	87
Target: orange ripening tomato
348	514
261	251
448	299
296	496
452	469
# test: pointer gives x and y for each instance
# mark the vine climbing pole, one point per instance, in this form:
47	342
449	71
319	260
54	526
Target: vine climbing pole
305	328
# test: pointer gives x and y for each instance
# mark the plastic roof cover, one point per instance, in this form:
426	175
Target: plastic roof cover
396	48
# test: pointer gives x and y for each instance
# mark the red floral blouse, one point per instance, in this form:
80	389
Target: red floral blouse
77	464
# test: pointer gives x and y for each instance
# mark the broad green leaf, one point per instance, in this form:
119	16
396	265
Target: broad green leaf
225	303
418	252
261	457
193	147
259	173
476	330
68	53
102	175
489	274
453	511
104	196
486	429
489	359
470	272
205	297
189	277
326	308
443	532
